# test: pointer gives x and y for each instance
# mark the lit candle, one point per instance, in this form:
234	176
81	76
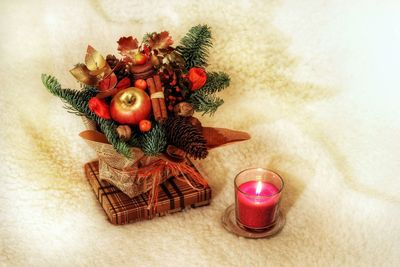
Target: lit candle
257	202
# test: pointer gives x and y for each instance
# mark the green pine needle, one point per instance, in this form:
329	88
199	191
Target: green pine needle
194	46
77	102
204	102
216	82
155	141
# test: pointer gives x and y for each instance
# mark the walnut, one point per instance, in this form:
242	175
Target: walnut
175	153
124	132
183	109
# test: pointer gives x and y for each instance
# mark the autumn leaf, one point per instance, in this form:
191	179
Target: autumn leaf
82	74
127	44
109	87
159	40
176	58
108	82
146	50
124	83
95	62
94	69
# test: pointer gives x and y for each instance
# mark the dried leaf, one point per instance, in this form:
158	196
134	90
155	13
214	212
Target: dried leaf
176	58
95	62
107	93
108	83
155	60
127	44
124	83
109	87
217	137
146	50
166	50
160	40
82	74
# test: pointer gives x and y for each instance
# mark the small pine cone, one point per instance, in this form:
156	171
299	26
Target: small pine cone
122	70
112	61
182	134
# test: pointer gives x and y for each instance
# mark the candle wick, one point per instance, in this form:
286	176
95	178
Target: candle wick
259	187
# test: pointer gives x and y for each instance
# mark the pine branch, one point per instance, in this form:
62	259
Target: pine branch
154	142
194	46
77	102
216	82
134	141
204	102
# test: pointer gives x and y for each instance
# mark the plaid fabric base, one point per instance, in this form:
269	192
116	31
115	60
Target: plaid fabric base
174	195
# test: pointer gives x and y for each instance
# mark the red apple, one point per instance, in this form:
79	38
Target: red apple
139	59
130	106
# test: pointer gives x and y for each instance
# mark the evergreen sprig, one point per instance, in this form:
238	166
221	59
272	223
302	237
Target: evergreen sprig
77	102
155	141
204	102
216	82
194	46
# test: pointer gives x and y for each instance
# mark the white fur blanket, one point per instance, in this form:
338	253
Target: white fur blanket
314	82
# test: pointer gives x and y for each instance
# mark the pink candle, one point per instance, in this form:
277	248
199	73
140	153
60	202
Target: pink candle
257	204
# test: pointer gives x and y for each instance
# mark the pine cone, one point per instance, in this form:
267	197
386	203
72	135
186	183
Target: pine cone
182	134
122	69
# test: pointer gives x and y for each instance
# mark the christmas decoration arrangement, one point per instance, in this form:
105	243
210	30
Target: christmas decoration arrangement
139	107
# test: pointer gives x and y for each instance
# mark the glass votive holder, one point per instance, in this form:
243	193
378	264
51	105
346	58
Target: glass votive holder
257	199
256	212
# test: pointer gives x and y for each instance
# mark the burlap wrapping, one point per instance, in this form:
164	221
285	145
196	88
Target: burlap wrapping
123	172
117	169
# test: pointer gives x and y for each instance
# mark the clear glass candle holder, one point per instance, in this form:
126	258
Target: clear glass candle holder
257	199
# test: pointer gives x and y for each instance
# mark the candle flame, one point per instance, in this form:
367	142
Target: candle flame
259	187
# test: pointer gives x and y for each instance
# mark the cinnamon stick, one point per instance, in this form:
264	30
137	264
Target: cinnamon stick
161	101
154	101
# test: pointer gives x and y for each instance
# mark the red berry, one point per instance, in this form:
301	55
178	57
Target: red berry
141	84
144	126
170	107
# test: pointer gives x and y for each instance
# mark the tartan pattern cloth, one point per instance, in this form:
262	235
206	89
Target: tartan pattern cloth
174	195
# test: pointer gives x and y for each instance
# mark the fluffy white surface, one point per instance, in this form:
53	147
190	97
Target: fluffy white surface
314	82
